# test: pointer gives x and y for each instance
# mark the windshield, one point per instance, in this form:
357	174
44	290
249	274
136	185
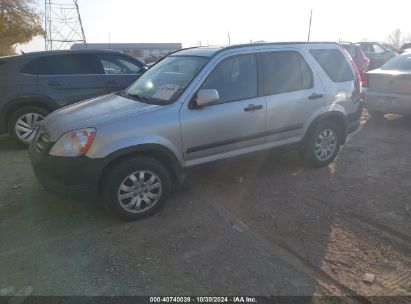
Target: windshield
167	80
400	63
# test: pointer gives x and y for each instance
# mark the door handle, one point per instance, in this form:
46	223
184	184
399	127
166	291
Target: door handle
111	82
253	107
315	96
53	83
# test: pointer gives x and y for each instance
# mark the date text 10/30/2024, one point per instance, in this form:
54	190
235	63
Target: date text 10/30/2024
203	300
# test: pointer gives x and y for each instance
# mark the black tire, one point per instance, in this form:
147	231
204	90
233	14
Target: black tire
308	152
16	116
119	172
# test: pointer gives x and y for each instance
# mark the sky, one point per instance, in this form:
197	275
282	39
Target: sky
209	21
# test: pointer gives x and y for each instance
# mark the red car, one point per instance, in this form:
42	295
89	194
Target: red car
360	60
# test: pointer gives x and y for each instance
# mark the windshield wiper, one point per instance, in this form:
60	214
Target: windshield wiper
146	99
136	96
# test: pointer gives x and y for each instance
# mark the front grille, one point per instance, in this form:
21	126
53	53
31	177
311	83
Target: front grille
42	140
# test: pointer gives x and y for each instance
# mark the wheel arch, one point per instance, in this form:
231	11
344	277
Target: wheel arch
333	116
155	151
20	102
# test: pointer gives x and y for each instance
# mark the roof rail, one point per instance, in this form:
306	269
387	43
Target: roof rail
270	43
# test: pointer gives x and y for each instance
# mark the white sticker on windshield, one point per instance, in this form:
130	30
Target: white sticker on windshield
166	91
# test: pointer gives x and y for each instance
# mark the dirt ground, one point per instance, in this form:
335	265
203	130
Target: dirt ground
262	225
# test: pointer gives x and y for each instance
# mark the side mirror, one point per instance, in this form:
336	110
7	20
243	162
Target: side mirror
206	97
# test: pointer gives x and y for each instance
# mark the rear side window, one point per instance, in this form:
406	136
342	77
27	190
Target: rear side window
334	64
32	68
286	71
78	64
2	63
399	63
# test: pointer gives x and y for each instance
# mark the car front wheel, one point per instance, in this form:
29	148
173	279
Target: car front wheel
136	188
322	144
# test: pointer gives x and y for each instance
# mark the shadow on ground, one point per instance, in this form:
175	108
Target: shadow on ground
260	225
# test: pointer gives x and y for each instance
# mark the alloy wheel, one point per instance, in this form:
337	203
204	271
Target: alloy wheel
325	144
26	125
140	191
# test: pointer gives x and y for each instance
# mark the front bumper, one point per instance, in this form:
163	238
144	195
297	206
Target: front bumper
68	175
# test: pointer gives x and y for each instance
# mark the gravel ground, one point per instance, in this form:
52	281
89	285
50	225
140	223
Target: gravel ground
260	225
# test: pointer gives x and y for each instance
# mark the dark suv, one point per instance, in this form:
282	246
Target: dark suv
377	54
34	84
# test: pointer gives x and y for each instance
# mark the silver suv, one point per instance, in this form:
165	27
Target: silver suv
195	106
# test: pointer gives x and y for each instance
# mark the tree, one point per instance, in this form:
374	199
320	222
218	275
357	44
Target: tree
397	38
19	23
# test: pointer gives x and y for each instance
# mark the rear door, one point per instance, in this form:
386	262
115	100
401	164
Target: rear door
119	71
293	95
70	78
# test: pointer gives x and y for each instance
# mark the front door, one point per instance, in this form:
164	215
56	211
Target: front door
233	126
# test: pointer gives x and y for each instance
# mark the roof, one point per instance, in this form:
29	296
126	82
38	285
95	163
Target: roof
62	52
198	51
210	51
159	46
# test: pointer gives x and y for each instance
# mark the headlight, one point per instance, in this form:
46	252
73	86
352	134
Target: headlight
74	143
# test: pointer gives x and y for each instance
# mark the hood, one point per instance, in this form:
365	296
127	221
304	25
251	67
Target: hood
92	112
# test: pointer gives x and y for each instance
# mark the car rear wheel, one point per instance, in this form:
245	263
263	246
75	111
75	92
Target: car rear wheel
322	144
23	123
136	188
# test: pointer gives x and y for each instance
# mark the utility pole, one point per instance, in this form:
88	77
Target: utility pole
309	26
229	38
62	24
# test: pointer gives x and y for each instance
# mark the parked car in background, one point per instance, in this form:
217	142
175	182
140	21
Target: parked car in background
389	88
405	47
360	60
376	53
195	106
34	84
390	47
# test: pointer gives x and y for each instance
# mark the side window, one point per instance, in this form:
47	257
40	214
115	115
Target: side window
353	52
307	81
286	71
118	65
33	67
378	49
234	78
367	48
131	66
334	64
78	64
